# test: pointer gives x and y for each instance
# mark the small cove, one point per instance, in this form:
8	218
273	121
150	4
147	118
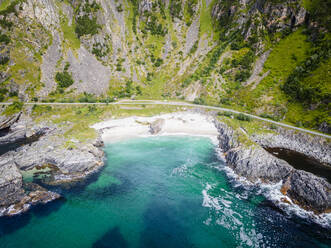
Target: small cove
160	192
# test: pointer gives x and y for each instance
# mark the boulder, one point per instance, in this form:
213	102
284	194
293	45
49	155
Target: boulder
156	126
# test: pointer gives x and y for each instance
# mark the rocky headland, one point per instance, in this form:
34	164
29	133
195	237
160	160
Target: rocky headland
249	159
28	146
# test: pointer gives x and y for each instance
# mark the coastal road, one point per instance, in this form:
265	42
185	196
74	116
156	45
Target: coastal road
174	103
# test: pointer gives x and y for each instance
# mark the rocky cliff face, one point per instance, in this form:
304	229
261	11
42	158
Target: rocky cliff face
256	164
312	146
253	19
45	153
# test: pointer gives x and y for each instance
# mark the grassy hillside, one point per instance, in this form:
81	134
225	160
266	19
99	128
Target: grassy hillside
209	52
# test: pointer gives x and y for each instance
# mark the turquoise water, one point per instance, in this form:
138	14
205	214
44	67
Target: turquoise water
160	192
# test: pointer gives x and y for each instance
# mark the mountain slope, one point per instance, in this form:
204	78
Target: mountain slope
271	58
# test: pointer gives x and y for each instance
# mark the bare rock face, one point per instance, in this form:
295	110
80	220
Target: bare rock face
48	66
254	163
45	11
37	195
309	191
156	126
7	121
88	73
10	182
145	5
69	163
312	146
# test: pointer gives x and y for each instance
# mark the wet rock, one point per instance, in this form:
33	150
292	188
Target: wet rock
309	191
38	196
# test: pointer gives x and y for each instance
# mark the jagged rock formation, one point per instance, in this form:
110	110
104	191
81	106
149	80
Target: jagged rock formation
312	146
254	163
41	147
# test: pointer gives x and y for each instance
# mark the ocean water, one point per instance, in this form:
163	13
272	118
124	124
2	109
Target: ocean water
161	192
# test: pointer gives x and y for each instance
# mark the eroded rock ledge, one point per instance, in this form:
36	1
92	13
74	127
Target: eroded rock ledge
256	164
49	152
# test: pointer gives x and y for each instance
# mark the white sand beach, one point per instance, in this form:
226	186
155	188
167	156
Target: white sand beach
180	123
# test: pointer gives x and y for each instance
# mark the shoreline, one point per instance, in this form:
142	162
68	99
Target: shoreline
246	160
173	124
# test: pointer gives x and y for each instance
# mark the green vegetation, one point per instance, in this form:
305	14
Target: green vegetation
6	8
85	25
243	117
4	38
64	79
175	9
13	108
315	68
153	26
320	11
69	33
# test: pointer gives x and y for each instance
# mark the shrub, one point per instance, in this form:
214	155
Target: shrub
199	100
194	47
4	60
175	9
85	25
158	62
13	93
119	8
92	108
4	38
64	79
13	108
243	117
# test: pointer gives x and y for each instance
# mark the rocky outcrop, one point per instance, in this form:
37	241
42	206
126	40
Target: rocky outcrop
49	150
88	73
309	191
10	182
35	194
251	161
311	145
252	18
7	121
156	126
